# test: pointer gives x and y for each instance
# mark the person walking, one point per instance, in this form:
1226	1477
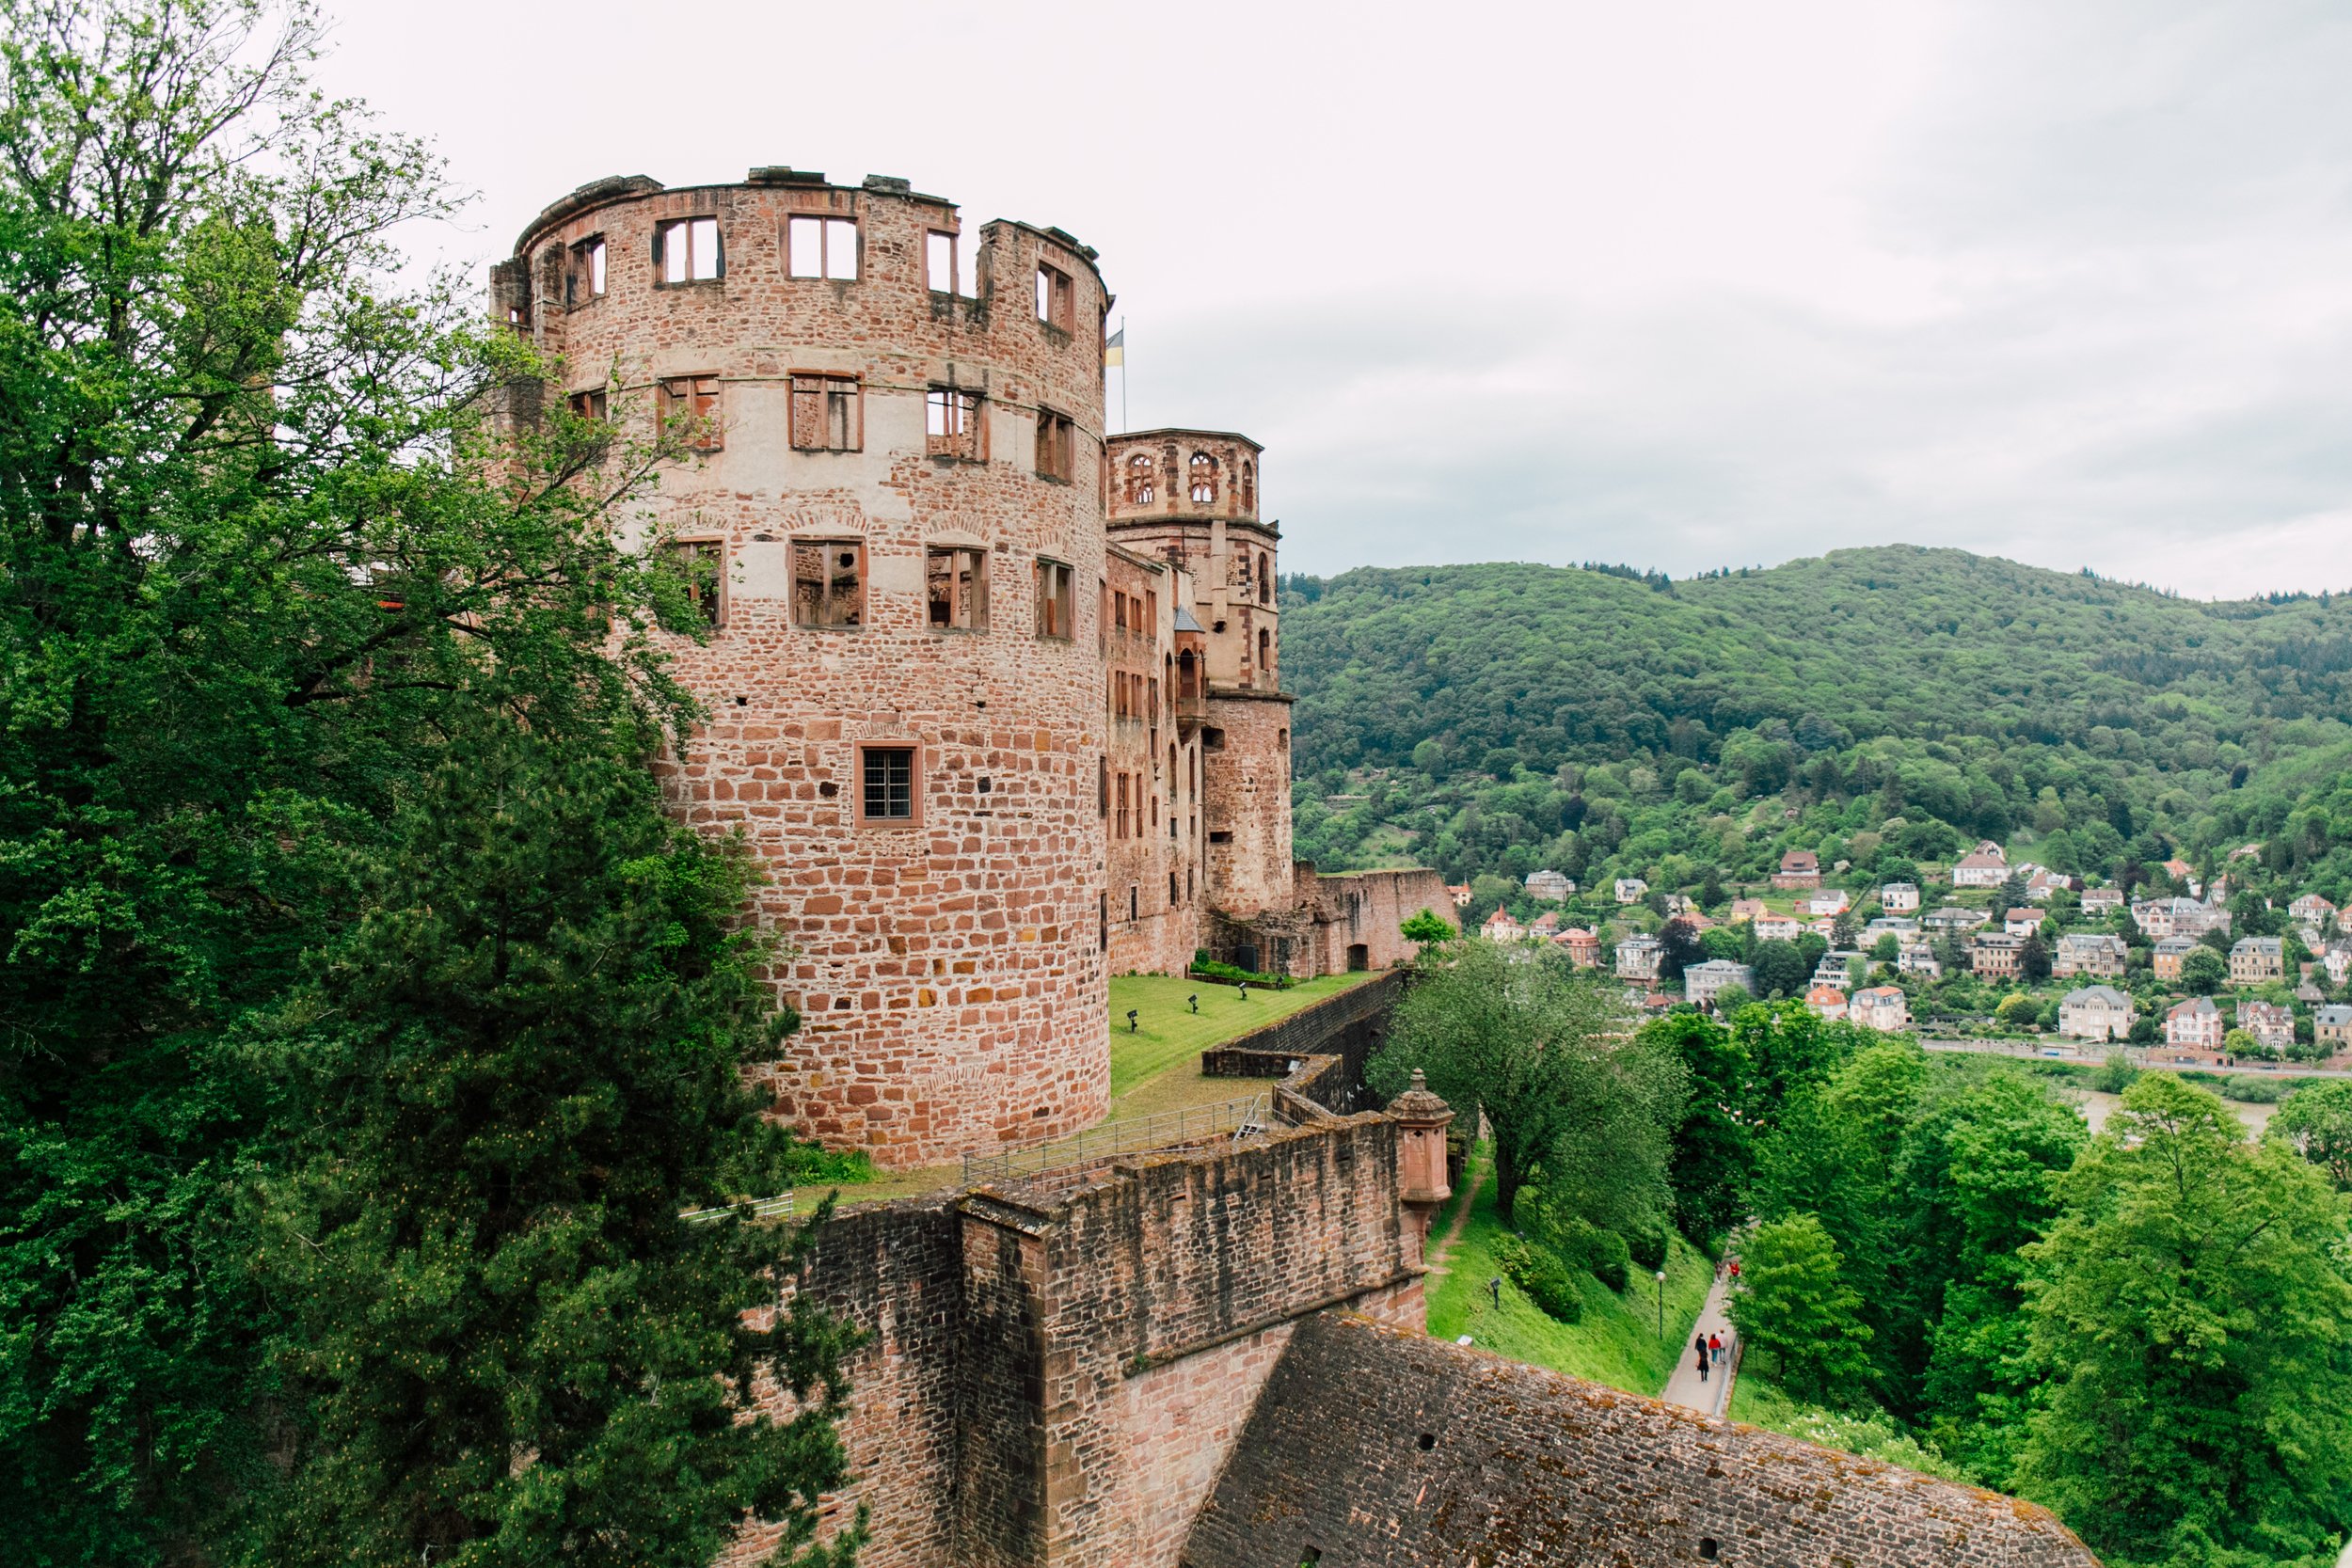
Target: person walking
1715	1349
1702	1360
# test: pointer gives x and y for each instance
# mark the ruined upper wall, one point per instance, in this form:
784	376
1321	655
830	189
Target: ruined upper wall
1374	1447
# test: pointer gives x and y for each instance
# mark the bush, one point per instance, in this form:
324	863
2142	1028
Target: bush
2255	1091
1648	1246
1537	1271
1602	1254
2117	1075
1206	968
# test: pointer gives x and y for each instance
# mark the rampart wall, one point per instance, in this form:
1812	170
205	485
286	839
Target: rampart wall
1346	1028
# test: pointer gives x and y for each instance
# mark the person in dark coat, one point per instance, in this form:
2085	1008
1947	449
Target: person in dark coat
1702	1344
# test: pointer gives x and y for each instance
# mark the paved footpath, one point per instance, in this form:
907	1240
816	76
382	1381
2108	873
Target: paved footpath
1684	1387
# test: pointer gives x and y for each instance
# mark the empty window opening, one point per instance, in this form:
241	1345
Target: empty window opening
1708	1548
686	250
1265	578
1139	487
689	411
825	413
1219	835
1057	301
949	266
952	424
1172	890
1054	444
1249	485
1212	739
1203	478
827	583
1281	740
591	404
1266	651
1120	828
957	583
886	784
700	563
583	279
1187	675
1054	601
820	247
1135	902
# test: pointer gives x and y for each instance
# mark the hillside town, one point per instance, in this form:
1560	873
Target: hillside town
1986	947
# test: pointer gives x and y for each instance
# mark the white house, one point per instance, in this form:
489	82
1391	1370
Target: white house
1825	1001
1637	958
1702	982
2095	1013
1917	957
2094	953
1632	890
1828	900
2102	900
2194	1025
2268	1022
1499	926
2022	922
1898	898
1550	886
1777	928
1880	1007
1987	868
2311	910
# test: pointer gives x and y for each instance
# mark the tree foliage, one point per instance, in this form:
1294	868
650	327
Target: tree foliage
2317	1121
1793	1302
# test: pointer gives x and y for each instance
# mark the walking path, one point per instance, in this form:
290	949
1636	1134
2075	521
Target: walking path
1439	1254
1684	1388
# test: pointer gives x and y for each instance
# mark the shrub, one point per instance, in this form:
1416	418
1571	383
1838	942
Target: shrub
1206	968
2255	1091
2115	1075
1537	1271
1648	1246
1602	1254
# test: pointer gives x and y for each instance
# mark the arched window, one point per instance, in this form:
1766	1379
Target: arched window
1187	675
1265	578
1249	485
1139	481
1203	477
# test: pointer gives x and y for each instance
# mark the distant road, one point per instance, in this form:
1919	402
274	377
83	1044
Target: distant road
2093	1055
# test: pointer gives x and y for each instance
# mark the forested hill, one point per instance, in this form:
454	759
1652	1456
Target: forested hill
1499	717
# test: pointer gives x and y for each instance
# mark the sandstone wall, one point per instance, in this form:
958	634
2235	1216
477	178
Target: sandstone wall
1374	1447
1245	755
1360	913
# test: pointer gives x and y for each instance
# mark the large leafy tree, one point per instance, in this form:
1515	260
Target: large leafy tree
1793	1302
1531	1041
502	1342
2317	1121
263	553
1713	1153
2193	1310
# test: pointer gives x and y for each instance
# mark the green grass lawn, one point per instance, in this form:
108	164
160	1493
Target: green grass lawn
1616	1342
1168	1035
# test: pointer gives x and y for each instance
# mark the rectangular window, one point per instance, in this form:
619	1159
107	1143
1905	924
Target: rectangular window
887	784
821	248
952	424
1122	831
1151	609
827	583
1054	600
1057	301
1053	446
950	267
583	280
957	583
686	250
589	405
690	409
825	413
702	562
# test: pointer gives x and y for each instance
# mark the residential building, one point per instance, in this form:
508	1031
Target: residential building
1747	908
1583	946
1550	886
1881	1007
1778	928
1632	890
2254	959
2095	1013
2102	900
1461	892
1826	1003
1500	927
2093	953
1898	898
2194	1025
1679	903
2022	922
2268	1022
1637	958
2179	917
1954	919
2043	881
1799	868
1545	926
1993	956
1702	982
1987	868
1890	926
1828	900
1917	957
2166	958
2311	910
2332	1025
2183	873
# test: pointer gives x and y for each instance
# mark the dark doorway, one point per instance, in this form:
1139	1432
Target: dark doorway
1359	956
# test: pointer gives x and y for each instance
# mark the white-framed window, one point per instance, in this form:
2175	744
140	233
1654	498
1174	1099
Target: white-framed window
819	246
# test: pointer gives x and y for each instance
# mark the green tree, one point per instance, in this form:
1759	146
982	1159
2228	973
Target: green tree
1793	1303
2192	1307
1678	948
1523	1038
2317	1121
1425	927
507	1080
1781	970
1711	1151
2203	971
2034	960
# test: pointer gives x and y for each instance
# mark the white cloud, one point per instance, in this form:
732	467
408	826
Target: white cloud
1683	284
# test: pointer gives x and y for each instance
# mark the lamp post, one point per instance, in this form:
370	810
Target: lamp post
1662	1304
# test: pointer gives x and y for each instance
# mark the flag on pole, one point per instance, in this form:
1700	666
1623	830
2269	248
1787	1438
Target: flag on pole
1114	348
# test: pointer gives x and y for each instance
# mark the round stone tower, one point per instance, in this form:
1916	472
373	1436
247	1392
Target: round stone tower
896	501
1190	498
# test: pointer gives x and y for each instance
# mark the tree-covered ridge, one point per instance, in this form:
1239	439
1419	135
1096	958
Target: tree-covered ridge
1496	718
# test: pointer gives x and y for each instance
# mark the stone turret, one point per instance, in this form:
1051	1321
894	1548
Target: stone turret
1422	1119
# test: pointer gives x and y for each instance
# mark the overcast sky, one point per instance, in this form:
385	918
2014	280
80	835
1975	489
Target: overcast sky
1681	285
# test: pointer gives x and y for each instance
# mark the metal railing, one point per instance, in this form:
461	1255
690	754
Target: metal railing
776	1208
1239	1118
